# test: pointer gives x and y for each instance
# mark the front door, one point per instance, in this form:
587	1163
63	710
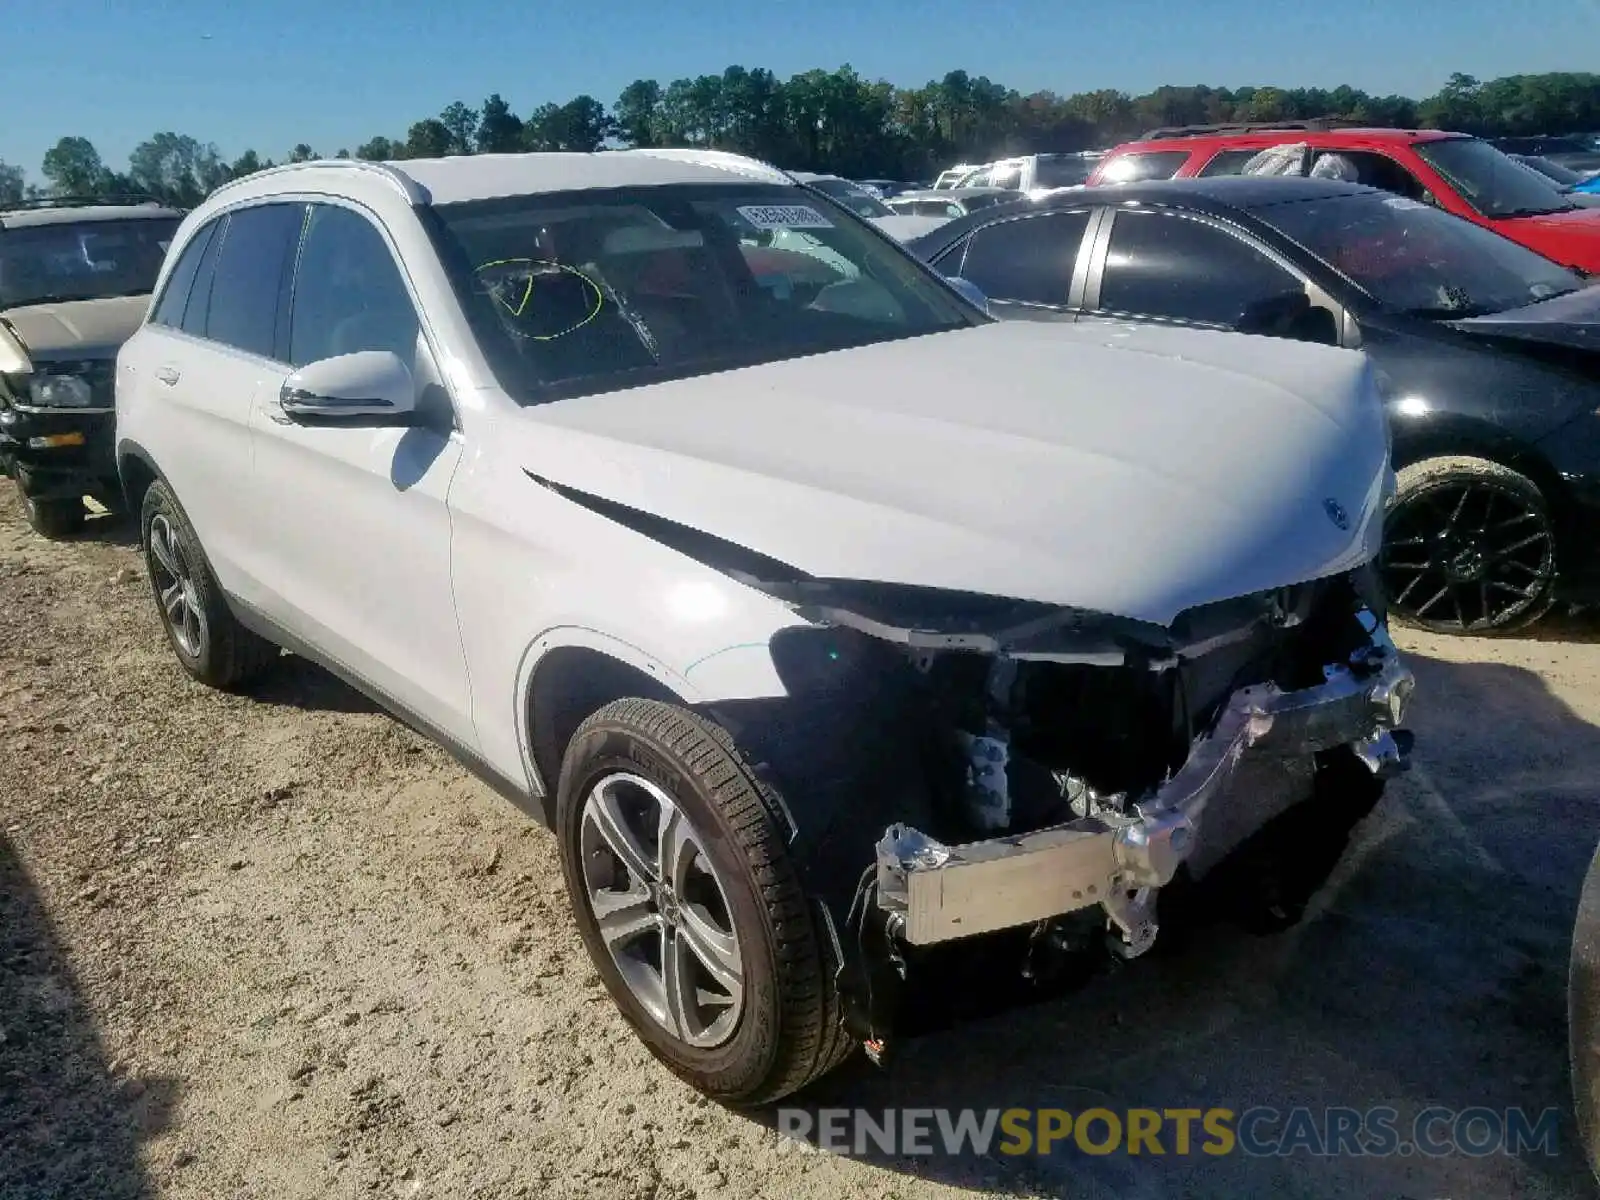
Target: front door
354	515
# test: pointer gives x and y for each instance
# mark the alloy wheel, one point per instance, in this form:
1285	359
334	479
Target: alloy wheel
661	909
180	601
1467	556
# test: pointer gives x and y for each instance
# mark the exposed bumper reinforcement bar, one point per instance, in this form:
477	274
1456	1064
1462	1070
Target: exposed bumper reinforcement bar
936	893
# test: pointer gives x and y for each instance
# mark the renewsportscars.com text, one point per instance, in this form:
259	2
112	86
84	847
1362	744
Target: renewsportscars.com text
1260	1131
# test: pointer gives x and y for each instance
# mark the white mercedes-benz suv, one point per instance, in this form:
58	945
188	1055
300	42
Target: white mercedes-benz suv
835	629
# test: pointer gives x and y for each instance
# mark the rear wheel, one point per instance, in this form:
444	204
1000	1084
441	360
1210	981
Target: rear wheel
210	643
1469	548
690	906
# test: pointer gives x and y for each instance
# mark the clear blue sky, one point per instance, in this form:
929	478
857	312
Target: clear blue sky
336	72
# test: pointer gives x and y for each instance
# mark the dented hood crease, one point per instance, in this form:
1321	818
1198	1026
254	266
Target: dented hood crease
1131	471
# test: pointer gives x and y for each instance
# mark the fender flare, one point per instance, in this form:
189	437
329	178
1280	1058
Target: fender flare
578	637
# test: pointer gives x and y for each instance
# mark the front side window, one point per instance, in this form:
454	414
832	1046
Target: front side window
1163	265
1415	259
82	260
249	277
577	292
1028	260
348	293
1491	183
1141	166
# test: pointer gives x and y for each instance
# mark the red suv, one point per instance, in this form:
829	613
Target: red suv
1460	174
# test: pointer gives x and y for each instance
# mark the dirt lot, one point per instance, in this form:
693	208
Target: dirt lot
278	946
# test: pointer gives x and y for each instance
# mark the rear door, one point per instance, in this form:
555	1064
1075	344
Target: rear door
209	347
349	520
1032	266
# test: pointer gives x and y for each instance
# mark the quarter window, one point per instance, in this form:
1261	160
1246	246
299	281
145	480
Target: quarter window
1029	259
169	310
349	294
250	276
1162	265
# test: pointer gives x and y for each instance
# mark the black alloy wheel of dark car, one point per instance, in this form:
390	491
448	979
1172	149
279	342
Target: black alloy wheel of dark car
208	639
1468	548
690	906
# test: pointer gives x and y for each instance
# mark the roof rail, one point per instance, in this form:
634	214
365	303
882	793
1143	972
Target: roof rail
129	198
414	193
1313	125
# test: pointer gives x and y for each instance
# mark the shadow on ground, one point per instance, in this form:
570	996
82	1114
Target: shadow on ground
295	682
67	1127
1430	971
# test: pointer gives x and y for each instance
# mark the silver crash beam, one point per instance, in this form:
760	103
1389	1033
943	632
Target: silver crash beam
936	893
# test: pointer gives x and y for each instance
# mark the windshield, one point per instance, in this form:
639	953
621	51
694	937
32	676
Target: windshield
1415	259
579	292
82	260
863	204
1490	182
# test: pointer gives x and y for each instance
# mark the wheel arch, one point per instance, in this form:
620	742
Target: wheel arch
567	675
1450	436
136	470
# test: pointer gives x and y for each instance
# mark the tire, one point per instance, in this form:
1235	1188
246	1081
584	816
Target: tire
1469	548
786	1029
51	518
209	642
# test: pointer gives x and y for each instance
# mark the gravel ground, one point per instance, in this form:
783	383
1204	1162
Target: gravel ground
276	945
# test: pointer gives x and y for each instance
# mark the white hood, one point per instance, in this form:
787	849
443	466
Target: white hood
78	328
1136	471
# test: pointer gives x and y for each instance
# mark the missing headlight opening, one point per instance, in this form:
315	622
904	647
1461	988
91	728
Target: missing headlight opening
1075	766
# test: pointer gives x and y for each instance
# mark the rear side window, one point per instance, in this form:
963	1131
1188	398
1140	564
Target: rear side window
1028	260
169	310
250	277
1161	265
1138	167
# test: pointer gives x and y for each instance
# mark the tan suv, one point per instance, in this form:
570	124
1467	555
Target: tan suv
75	281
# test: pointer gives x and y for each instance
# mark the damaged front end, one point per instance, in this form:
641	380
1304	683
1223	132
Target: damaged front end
1050	772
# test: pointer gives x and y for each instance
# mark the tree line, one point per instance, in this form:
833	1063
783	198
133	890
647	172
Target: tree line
836	121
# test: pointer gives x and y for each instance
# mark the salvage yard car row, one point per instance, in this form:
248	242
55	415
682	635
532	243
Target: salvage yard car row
833	624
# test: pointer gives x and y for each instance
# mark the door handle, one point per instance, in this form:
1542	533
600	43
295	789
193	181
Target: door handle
168	376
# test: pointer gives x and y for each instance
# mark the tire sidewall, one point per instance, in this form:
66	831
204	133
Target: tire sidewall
159	502
744	1061
1506	481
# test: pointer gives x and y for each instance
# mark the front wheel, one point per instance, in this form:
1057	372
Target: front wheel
690	906
1469	548
51	518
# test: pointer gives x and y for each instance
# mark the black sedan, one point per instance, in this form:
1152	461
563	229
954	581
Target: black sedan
1488	354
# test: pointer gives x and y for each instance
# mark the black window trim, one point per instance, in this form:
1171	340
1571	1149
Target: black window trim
1318	295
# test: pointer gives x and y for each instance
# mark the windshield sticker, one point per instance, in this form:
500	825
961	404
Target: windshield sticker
784	216
513	284
1402	202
